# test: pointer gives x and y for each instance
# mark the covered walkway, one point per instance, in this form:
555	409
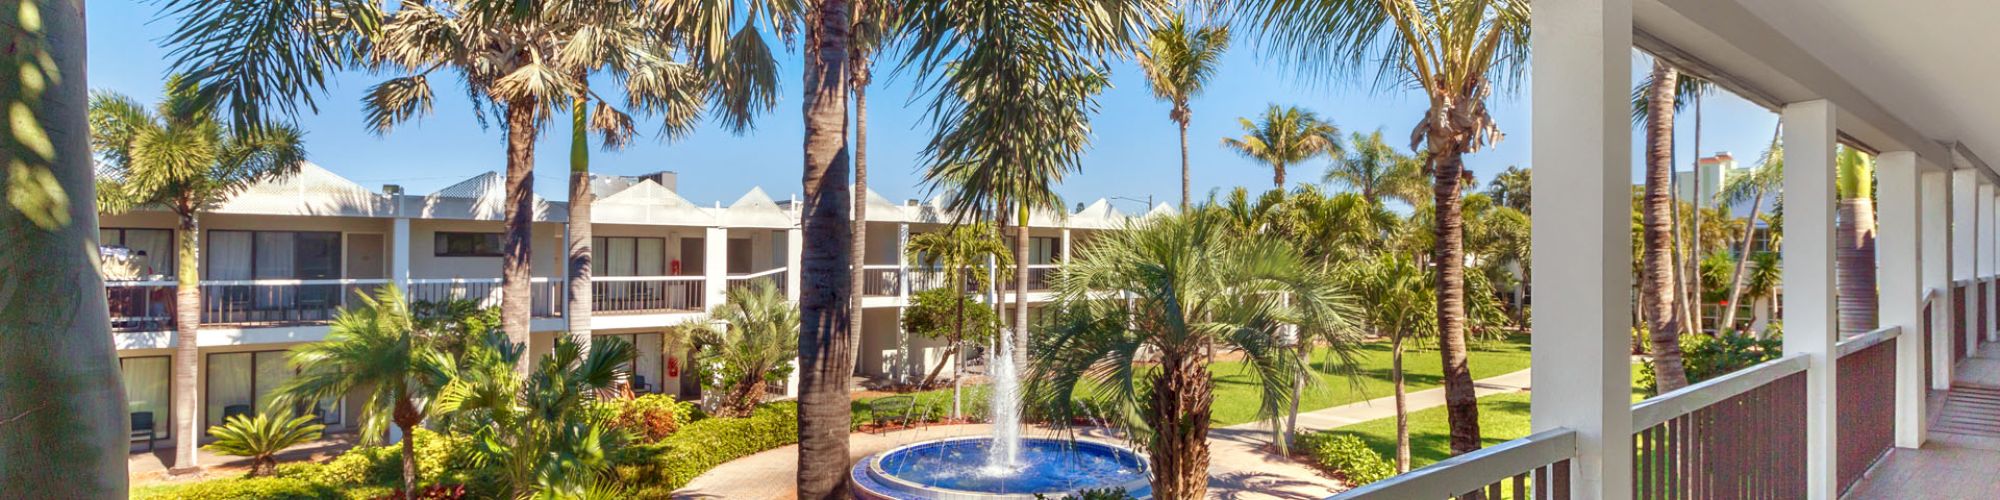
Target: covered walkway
1963	454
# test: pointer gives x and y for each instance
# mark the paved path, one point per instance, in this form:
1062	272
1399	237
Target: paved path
1240	465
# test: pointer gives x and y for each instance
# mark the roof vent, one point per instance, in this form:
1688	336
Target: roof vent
392	189
911	202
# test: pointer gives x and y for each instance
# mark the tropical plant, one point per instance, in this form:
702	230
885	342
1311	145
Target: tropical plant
375	348
56	358
1762	287
261	437
1178	60
753	346
1284	137
1752	186
1854	240
181	158
541	432
1657	292
1191	284
955	253
1511	188
950	315
826	335
1377	170
1455	52
875	26
1399	305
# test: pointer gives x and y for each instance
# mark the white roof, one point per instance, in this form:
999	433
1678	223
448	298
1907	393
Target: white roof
648	202
482	197
756	209
314	190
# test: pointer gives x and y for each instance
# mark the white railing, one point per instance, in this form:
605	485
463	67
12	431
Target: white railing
774	276
881	279
620	294
1040	276
280	301
1534	462
545	295
1866	340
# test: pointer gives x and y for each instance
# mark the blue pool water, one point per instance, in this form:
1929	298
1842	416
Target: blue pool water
1045	466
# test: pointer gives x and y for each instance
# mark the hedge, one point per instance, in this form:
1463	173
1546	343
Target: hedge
655	470
277	488
1348	455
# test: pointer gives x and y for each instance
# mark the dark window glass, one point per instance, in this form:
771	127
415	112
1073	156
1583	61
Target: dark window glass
467	245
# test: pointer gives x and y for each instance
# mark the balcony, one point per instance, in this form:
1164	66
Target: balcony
150	306
545	294
776	277
647	294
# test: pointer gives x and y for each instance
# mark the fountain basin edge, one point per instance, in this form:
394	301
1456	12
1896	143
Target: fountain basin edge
910	471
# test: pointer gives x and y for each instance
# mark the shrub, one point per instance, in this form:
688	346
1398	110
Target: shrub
651	417
261	488
441	459
261	438
656	469
1706	357
1348	455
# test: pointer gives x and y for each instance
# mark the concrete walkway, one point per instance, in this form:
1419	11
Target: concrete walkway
1240	463
1959	460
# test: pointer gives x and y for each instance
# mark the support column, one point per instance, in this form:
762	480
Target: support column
1965	250
794	253
1808	277
715	266
1065	247
1983	267
1935	196
903	284
1898	274
399	254
1583	239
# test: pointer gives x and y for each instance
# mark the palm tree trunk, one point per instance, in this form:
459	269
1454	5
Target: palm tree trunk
1854	242
518	235
580	198
62	408
1694	243
406	418
1304	353
1742	263
187	325
826	359
860	256
1180	418
1185	198
1021	345
1656	295
1402	406
1461	404
1277	175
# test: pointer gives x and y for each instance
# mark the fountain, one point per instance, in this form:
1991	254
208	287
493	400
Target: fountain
1004	465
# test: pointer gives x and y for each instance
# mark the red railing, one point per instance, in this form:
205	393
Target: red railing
1866	394
1741	435
1958	337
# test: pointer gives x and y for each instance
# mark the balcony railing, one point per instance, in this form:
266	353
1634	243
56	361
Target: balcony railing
276	302
1041	276
881	280
140	306
644	294
545	295
1741	435
775	277
1536	466
1866	376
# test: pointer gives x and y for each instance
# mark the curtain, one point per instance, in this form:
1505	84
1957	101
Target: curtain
652	257
271	373
228	255
146	389
277	254
158	247
596	259
648	346
229	385
618	257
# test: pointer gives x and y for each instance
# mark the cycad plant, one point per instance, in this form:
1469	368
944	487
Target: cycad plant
1188	284
748	344
261	437
1283	137
181	158
1179	59
540	432
374	347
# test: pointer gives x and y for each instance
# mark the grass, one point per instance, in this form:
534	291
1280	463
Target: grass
1502	417
1236	393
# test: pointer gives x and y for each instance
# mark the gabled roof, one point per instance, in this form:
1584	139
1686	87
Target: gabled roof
314	190
1161	210
648	202
1098	215
756	209
880	209
482	197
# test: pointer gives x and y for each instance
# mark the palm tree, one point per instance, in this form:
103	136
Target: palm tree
1511	188
1657	278
1012	114
377	348
955	252
1193	284
1283	137
826	348
1399	302
180	158
1178	60
751	348
1377	170
540	431
875	25
1752	186
56	356
1455	52
1762	287
1854	240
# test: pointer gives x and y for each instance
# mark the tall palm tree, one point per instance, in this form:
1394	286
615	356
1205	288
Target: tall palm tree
1178	60
1753	186
826	348
56	357
1657	277
1854	240
180	158
1398	299
1377	170
1194	284
374	347
1454	51
1012	114
1761	287
1284	137
1686	89
1511	188
875	26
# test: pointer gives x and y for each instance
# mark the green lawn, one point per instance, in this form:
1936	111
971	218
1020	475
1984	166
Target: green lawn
1502	417
1236	392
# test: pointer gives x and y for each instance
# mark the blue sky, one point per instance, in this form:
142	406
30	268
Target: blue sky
1134	153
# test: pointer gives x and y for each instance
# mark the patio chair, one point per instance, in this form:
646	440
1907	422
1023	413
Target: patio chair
639	385
234	410
142	426
891	409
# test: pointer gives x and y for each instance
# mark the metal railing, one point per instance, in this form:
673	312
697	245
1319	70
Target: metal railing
774	276
1740	435
1536	466
639	294
1866	401
141	306
274	302
544	297
1041	276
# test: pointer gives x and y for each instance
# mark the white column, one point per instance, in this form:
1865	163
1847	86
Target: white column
1898	274
715	266
1808	277
794	254
905	366
1583	240
1065	247
399	254
1965	246
1935	196
1983	268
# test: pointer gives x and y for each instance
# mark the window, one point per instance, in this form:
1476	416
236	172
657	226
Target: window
1042	250
628	256
154	247
244	383
645	369
467	245
147	391
248	255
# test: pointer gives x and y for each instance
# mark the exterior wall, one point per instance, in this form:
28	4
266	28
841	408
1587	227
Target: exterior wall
425	264
674	235
765	250
882	247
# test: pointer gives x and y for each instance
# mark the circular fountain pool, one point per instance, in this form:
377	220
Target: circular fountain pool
957	469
